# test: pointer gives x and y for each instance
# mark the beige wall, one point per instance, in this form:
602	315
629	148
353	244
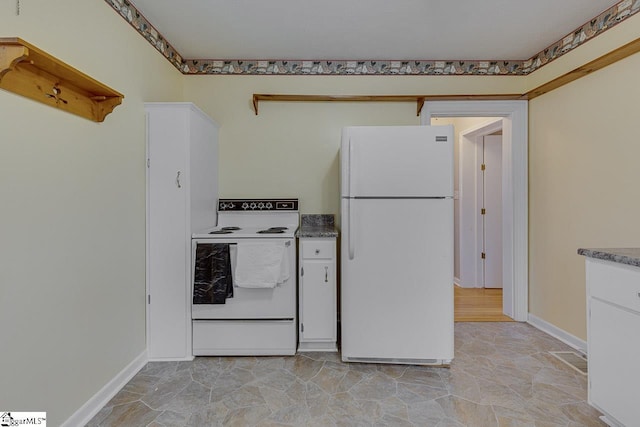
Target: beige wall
72	203
291	149
583	185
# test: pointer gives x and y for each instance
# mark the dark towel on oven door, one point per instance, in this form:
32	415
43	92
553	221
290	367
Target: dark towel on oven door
212	282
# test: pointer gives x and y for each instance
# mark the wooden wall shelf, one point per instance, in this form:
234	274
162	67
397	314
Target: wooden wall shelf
622	52
418	99
33	73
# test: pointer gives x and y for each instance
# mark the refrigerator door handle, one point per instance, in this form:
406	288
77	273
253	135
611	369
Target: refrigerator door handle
351	234
351	170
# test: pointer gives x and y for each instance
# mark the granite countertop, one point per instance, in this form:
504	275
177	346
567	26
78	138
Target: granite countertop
629	256
317	225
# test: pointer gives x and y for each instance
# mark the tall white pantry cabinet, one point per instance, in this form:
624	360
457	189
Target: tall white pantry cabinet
182	190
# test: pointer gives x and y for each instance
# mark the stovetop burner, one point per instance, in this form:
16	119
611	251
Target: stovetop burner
278	228
221	232
231	228
274	230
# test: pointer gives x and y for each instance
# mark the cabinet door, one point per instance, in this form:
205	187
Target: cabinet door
318	314
167	250
614	352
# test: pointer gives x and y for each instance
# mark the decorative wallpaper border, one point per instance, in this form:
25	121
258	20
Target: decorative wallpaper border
343	68
146	30
609	18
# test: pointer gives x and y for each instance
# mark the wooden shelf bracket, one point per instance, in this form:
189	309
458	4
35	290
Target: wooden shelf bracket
30	72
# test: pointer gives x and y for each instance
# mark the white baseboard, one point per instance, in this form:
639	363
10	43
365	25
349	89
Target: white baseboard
457	283
562	335
92	406
172	359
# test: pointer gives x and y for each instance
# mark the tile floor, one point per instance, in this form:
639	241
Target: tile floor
502	376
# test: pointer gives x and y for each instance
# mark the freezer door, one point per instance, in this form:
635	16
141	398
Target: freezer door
397	161
397	279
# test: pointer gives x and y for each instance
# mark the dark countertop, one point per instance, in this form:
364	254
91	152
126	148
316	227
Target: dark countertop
317	226
629	256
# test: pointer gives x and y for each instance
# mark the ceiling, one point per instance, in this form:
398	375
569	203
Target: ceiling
366	29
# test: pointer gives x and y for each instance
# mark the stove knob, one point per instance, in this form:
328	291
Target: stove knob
231	206
253	205
260	205
245	205
269	205
223	206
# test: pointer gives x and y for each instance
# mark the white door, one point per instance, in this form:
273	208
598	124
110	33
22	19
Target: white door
613	360
397	279
397	161
318	300
167	248
492	217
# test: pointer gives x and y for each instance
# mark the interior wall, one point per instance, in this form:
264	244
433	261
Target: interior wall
583	178
72	251
292	148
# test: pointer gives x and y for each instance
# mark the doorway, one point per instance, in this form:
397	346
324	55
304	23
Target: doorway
513	115
478	217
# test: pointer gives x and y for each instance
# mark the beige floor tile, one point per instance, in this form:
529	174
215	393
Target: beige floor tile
502	376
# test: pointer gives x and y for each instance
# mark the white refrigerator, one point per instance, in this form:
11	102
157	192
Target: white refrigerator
397	244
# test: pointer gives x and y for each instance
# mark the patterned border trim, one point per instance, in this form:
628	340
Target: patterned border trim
588	31
146	30
345	68
609	18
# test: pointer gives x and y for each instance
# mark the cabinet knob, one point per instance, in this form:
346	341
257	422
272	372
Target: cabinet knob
317	251
326	275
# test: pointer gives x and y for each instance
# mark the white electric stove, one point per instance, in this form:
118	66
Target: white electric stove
253	321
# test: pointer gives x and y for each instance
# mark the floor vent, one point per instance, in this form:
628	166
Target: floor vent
573	359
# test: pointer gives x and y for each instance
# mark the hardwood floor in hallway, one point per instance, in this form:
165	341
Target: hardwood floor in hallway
478	305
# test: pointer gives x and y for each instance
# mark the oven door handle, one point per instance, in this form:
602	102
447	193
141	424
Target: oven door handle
212	241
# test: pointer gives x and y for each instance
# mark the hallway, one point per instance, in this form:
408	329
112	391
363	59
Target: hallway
478	305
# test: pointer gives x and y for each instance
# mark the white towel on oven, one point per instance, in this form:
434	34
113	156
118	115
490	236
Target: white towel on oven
261	264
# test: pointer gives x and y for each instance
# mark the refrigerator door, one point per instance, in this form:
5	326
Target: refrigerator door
397	161
397	280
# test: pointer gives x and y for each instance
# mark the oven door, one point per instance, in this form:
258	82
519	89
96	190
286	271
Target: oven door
249	303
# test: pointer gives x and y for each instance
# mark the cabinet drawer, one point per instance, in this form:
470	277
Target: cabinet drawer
244	337
613	282
317	248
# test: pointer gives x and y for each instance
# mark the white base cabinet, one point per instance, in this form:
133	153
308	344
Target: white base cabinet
182	190
613	340
317	295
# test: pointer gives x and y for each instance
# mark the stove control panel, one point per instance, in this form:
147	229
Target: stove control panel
258	205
